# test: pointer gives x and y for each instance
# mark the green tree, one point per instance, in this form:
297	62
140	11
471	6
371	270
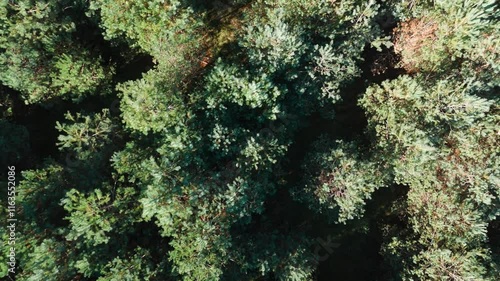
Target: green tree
38	56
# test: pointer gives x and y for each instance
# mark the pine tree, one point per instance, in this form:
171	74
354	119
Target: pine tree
39	58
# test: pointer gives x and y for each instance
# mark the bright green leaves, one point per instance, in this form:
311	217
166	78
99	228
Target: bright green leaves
95	215
135	268
288	38
46	261
33	23
170	31
426	115
150	104
226	83
169	209
448	234
468	265
196	225
200	253
274	45
87	216
393	127
173	34
87	134
76	74
261	152
334	67
4	249
38	56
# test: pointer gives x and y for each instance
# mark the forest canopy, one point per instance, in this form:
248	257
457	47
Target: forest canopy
250	140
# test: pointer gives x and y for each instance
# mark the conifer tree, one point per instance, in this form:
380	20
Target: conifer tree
39	57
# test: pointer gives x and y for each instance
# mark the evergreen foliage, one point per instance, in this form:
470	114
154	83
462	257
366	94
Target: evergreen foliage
40	59
339	181
207	163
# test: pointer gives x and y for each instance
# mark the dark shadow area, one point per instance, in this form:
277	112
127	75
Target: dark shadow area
40	123
494	238
357	256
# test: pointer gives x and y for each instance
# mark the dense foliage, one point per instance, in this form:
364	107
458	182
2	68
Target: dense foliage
241	140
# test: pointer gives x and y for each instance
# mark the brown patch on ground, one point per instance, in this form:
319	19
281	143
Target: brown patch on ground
409	39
